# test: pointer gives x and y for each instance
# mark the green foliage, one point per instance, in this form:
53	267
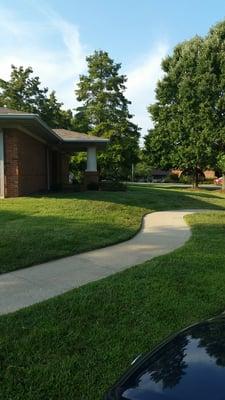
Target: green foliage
221	162
113	186
142	169
221	165
171	178
23	92
93	186
81	121
105	113
78	163
186	179
188	114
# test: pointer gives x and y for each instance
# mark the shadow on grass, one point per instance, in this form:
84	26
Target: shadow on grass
32	239
37	237
154	198
93	333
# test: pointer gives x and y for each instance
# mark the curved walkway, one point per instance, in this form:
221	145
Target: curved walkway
161	233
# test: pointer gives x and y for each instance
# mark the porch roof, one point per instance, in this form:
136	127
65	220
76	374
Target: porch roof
77	141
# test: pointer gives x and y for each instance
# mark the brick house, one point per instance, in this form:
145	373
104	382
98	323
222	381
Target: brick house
208	173
35	158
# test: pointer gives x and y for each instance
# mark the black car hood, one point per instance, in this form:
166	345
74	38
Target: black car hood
188	366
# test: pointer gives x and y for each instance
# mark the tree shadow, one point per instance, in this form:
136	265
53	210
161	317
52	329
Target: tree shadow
32	239
153	198
28	239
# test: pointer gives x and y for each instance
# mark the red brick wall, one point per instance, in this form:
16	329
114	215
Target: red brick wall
25	164
65	159
11	163
32	164
176	171
209	174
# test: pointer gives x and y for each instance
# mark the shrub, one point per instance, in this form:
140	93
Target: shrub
113	186
92	186
171	178
208	181
77	187
186	179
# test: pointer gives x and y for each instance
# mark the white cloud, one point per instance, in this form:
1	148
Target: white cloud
58	64
52	46
141	83
10	25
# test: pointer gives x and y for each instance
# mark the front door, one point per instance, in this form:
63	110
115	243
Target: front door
2	184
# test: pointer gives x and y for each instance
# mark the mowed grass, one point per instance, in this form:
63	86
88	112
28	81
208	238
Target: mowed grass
75	346
38	229
41	228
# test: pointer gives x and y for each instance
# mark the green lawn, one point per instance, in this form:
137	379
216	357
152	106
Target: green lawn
43	228
75	345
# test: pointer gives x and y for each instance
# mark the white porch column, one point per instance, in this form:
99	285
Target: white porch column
2	174
91	159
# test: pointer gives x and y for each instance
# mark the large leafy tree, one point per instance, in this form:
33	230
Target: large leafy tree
142	170
189	111
105	113
221	165
23	92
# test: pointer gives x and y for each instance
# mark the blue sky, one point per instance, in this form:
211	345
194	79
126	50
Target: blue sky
55	36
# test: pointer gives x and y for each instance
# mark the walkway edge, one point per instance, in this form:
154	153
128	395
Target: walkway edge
160	233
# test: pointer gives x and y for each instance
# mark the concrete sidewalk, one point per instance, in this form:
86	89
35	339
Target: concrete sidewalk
161	233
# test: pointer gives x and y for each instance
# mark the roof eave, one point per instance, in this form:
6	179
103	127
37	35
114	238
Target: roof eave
82	145
103	141
23	118
31	121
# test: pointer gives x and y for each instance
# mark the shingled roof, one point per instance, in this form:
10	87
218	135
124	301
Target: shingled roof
69	136
35	123
9	111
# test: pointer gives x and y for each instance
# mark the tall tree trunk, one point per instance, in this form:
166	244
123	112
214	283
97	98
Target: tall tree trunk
223	183
195	179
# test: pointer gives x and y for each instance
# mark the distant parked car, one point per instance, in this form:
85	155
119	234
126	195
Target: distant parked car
188	366
158	179
218	181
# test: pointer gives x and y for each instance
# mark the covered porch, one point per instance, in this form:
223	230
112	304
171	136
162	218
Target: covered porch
74	142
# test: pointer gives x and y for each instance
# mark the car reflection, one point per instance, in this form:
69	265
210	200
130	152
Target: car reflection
189	366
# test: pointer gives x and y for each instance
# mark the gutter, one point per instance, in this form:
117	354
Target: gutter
34	117
30	117
93	141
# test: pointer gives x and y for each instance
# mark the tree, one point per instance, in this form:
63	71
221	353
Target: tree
214	83
210	337
23	92
50	110
184	113
170	367
81	121
105	112
78	164
142	170
221	165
